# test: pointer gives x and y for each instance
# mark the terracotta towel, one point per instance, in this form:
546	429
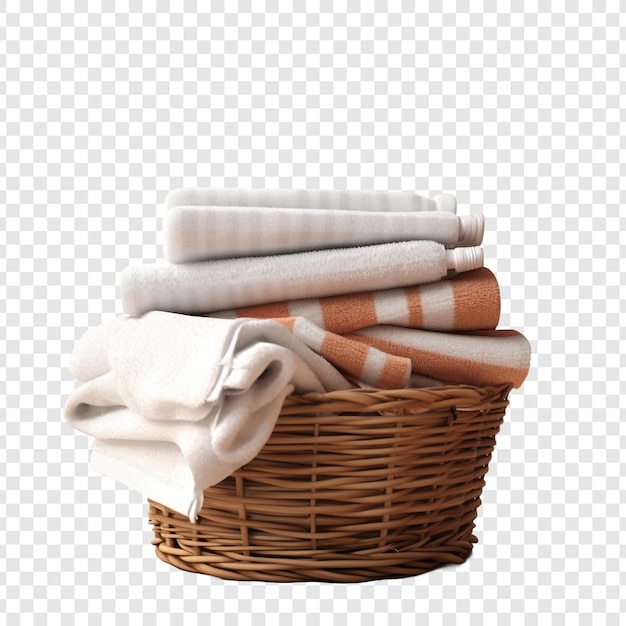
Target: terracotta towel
199	233
176	403
468	301
246	281
310	199
479	358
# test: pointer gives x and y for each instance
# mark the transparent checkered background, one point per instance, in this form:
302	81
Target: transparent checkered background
520	114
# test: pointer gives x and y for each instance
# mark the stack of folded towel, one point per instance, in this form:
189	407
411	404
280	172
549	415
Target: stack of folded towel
264	293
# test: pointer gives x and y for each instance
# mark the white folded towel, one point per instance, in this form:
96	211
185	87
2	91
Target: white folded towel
177	403
310	199
215	285
198	233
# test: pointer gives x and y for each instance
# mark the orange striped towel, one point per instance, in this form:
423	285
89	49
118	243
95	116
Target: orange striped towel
414	336
479	358
392	357
469	301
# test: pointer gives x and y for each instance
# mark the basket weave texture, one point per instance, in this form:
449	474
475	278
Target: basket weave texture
352	486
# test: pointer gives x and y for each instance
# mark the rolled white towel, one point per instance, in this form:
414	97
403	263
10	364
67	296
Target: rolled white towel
326	199
198	233
215	285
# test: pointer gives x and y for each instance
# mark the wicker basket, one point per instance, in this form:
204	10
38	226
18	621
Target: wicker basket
351	486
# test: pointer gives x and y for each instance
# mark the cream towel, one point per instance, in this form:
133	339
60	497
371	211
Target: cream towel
310	199
246	281
177	403
198	233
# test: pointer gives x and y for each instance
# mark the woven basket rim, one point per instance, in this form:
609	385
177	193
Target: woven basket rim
362	400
